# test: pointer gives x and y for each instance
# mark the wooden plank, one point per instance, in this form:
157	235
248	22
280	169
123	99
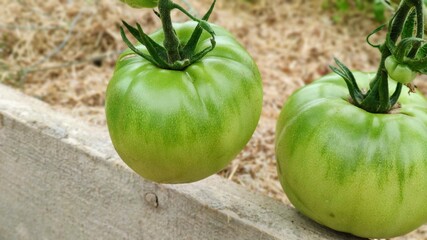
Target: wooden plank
61	179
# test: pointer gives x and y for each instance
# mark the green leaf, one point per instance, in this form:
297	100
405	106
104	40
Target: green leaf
379	10
342	5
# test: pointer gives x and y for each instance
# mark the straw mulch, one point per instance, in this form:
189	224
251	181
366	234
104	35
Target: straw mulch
63	52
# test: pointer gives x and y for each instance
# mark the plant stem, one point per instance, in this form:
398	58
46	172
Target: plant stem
171	42
377	99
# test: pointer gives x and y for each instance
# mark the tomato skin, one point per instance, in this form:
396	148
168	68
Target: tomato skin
399	72
351	170
182	126
141	3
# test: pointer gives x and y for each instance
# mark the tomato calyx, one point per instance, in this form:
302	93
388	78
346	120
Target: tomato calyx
173	54
400	61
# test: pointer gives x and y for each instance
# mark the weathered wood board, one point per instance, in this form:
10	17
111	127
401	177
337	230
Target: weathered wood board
61	179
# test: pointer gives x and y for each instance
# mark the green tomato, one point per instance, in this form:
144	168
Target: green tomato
352	170
141	3
182	126
399	72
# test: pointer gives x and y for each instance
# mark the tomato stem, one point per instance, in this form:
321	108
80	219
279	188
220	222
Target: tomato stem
407	25
171	42
174	54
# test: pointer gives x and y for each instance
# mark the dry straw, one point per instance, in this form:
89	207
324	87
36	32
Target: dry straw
63	52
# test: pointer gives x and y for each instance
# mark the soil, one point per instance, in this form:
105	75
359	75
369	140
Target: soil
63	52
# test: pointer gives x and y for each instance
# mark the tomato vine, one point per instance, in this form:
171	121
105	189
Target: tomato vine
173	54
409	50
343	162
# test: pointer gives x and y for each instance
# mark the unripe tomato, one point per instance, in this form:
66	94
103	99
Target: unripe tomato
351	170
174	126
399	72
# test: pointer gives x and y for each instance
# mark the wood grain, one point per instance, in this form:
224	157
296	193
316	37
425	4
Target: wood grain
61	179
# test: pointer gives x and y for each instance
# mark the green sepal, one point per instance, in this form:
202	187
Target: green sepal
205	51
354	90
397	23
133	31
135	50
422	53
159	55
156	51
209	12
418	65
420	19
144	39
404	48
189	48
409	26
419	62
370	101
395	96
207	27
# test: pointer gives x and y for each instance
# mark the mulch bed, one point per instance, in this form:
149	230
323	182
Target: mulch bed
63	52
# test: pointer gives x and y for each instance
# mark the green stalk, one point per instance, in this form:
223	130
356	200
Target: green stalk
171	42
377	99
173	55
